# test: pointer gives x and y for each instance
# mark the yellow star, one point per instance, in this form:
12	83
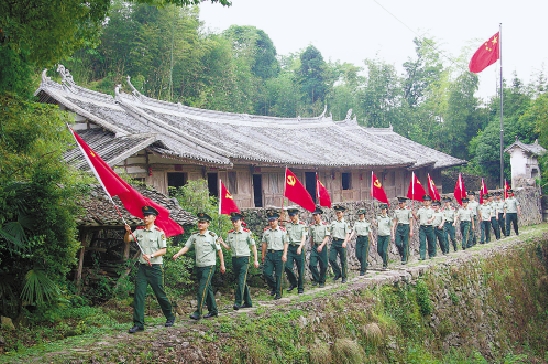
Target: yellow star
494	41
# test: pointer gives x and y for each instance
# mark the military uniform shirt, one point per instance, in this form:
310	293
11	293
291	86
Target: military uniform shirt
448	214
384	222
473	205
319	231
437	218
465	214
150	241
362	228
339	229
486	211
275	238
206	246
295	232
403	215
511	205
425	213
240	242
499	207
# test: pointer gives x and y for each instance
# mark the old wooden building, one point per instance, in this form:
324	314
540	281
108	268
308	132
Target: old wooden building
167	144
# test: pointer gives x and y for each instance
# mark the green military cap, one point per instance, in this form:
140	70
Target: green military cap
236	216
471	193
402	199
318	210
203	217
465	200
446	199
510	191
339	208
498	193
272	215
486	195
436	203
149	210
292	210
361	211
383	206
426	198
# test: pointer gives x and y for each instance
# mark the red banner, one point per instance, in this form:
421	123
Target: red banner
323	194
433	190
415	190
483	190
486	55
295	191
506	188
226	202
377	191
459	191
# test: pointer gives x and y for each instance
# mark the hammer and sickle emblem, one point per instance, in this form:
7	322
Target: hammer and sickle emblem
377	183
291	180
228	195
92	153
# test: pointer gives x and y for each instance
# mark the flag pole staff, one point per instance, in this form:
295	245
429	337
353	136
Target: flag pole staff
220	202
501	107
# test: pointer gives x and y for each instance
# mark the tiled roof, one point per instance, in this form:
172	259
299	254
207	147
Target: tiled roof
533	148
223	138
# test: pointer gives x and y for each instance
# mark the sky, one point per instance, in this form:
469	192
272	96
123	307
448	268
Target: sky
353	30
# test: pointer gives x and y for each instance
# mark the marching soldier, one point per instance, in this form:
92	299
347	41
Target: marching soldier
473	205
448	226
274	254
296	236
494	215
485	212
384	223
241	243
153	247
205	243
340	234
465	216
319	237
437	225
402	229
426	233
362	232
499	211
512	210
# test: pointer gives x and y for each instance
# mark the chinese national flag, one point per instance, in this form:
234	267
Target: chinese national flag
323	194
132	200
483	190
226	202
433	190
415	190
460	190
295	191
377	191
486	55
506	188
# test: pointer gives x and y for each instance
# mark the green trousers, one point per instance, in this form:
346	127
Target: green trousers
318	258
426	234
241	293
273	269
205	291
402	241
449	233
338	251
466	232
438	236
362	250
295	280
153	275
382	248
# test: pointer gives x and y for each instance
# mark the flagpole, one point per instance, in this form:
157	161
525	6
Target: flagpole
219	196
501	141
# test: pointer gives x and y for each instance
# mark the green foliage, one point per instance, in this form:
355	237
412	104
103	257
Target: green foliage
423	298
38	288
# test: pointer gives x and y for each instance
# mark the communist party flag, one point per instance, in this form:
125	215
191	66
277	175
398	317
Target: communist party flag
486	55
415	190
377	191
483	190
460	190
506	188
132	200
226	202
295	191
323	194
433	190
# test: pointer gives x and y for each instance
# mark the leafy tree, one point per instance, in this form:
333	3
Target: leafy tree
313	80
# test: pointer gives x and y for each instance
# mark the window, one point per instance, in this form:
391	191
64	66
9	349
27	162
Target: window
232	182
346	179
176	179
273	183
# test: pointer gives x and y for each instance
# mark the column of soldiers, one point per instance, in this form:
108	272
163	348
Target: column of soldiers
283	247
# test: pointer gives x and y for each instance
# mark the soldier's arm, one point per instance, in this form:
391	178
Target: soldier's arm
127	236
159	253
181	251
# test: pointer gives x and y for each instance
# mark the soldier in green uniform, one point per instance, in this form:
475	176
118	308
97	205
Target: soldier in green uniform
340	233
465	216
274	253
426	233
296	236
319	237
402	229
494	215
484	215
205	244
384	224
363	233
437	226
448	226
511	210
499	211
241	243
152	241
473	205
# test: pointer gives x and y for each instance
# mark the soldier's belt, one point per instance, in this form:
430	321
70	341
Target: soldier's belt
273	250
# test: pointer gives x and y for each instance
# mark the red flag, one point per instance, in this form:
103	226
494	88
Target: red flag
486	55
483	190
506	188
415	190
323	194
226	202
433	190
132	200
377	191
295	191
460	190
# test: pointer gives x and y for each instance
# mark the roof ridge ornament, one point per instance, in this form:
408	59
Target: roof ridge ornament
323	112
134	91
348	115
67	80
